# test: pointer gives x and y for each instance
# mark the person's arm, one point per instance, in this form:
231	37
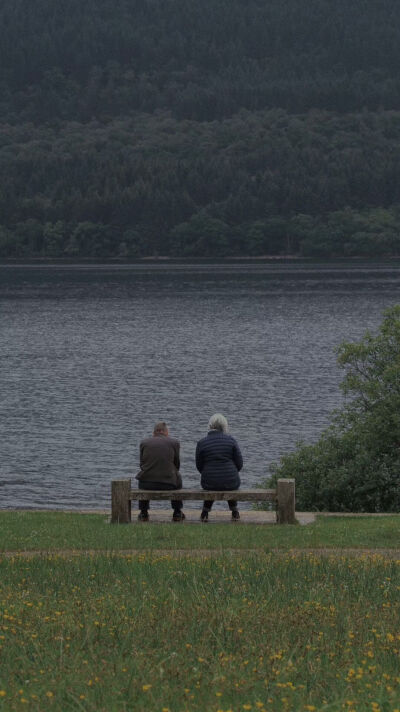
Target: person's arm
199	458
237	456
141	449
177	460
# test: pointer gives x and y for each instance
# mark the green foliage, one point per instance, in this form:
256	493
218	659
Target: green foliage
202	234
355	466
139	128
353	233
201	61
247	185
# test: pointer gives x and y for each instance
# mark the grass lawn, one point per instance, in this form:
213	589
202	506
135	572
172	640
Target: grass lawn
46	530
224	631
227	632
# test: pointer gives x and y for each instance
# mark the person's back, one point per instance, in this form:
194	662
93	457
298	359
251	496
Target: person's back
218	459
159	468
159	460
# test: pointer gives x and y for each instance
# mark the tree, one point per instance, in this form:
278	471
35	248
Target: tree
355	465
91	239
7	242
202	235
54	236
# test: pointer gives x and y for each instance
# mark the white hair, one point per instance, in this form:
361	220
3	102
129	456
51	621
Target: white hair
218	422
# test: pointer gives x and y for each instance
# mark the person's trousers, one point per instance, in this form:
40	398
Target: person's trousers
208	503
144	504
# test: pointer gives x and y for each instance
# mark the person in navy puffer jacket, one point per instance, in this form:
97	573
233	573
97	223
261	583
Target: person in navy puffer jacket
219	461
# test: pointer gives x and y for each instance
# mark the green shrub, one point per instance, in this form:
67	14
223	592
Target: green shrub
355	465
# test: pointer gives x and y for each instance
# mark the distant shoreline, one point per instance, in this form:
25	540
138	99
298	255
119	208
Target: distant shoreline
153	259
86	261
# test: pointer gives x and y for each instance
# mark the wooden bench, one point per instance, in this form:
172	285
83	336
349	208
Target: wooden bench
122	495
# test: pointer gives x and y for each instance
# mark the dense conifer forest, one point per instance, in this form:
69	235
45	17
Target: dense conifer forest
133	128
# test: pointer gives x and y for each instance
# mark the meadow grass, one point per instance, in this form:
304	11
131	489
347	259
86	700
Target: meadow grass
151	632
57	530
220	632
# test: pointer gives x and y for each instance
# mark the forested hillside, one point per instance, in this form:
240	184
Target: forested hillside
171	127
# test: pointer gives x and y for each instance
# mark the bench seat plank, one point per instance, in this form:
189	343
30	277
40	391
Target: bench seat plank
253	495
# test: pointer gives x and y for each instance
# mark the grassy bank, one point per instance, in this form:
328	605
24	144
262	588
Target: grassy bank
50	531
220	633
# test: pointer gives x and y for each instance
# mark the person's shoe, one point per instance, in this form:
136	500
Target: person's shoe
143	517
204	516
235	515
178	516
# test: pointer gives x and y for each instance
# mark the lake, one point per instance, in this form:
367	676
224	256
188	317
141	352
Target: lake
92	356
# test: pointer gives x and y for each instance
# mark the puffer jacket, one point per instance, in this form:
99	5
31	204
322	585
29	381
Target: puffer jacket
219	460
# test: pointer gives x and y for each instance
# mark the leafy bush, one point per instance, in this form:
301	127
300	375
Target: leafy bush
355	465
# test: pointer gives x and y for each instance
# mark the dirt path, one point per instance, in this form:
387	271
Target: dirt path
204	553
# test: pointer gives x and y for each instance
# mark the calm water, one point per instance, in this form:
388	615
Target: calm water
91	357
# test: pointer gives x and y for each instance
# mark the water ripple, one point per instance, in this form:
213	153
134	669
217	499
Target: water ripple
91	357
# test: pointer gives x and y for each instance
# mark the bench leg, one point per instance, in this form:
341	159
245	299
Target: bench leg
120	501
285	499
